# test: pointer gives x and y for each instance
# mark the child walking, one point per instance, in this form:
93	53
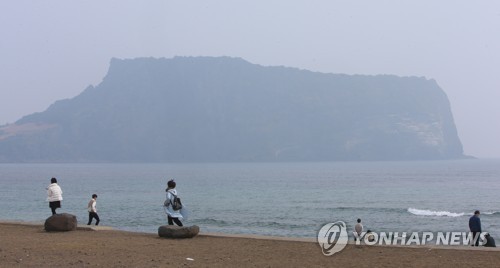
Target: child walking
91	207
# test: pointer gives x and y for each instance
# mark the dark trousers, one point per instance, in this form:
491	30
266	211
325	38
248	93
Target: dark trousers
93	215
172	220
54	205
475	237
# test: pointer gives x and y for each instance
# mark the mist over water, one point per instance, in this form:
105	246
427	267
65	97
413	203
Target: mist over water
281	199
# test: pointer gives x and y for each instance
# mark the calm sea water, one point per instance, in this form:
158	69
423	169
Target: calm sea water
281	199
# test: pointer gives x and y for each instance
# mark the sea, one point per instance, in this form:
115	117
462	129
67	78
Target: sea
274	199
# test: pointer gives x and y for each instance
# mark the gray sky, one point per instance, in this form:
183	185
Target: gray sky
52	50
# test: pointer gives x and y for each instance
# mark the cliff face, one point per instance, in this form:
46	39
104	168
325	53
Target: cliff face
226	109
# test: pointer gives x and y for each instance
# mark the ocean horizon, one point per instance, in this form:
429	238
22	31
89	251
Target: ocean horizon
276	199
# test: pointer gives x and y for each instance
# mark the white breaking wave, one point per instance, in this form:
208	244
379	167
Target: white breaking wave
490	212
424	212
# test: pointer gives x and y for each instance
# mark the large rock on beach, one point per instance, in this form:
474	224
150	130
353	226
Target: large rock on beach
173	231
61	223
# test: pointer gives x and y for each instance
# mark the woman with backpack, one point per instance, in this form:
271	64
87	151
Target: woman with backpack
173	205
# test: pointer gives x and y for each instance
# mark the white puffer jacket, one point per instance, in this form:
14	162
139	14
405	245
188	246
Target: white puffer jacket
54	193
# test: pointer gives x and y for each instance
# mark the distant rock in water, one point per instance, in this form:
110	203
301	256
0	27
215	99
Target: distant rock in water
214	109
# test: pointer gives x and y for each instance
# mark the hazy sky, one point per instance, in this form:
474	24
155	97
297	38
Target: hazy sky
53	50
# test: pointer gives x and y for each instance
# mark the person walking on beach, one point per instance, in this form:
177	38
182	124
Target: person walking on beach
173	213
475	227
91	207
54	195
358	228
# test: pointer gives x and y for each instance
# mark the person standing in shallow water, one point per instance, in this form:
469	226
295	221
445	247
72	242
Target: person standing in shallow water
93	210
173	215
54	195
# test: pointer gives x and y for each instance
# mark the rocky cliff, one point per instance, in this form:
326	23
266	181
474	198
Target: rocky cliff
197	109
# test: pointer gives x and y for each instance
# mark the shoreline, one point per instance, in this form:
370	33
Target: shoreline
257	237
29	245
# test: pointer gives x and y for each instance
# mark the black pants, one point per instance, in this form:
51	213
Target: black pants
54	205
474	234
172	220
93	215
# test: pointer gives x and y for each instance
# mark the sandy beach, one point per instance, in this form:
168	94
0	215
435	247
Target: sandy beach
28	245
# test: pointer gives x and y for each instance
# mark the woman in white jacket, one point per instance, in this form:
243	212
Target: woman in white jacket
172	215
54	195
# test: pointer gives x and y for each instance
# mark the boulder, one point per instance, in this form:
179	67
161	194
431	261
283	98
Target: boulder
60	223
173	231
